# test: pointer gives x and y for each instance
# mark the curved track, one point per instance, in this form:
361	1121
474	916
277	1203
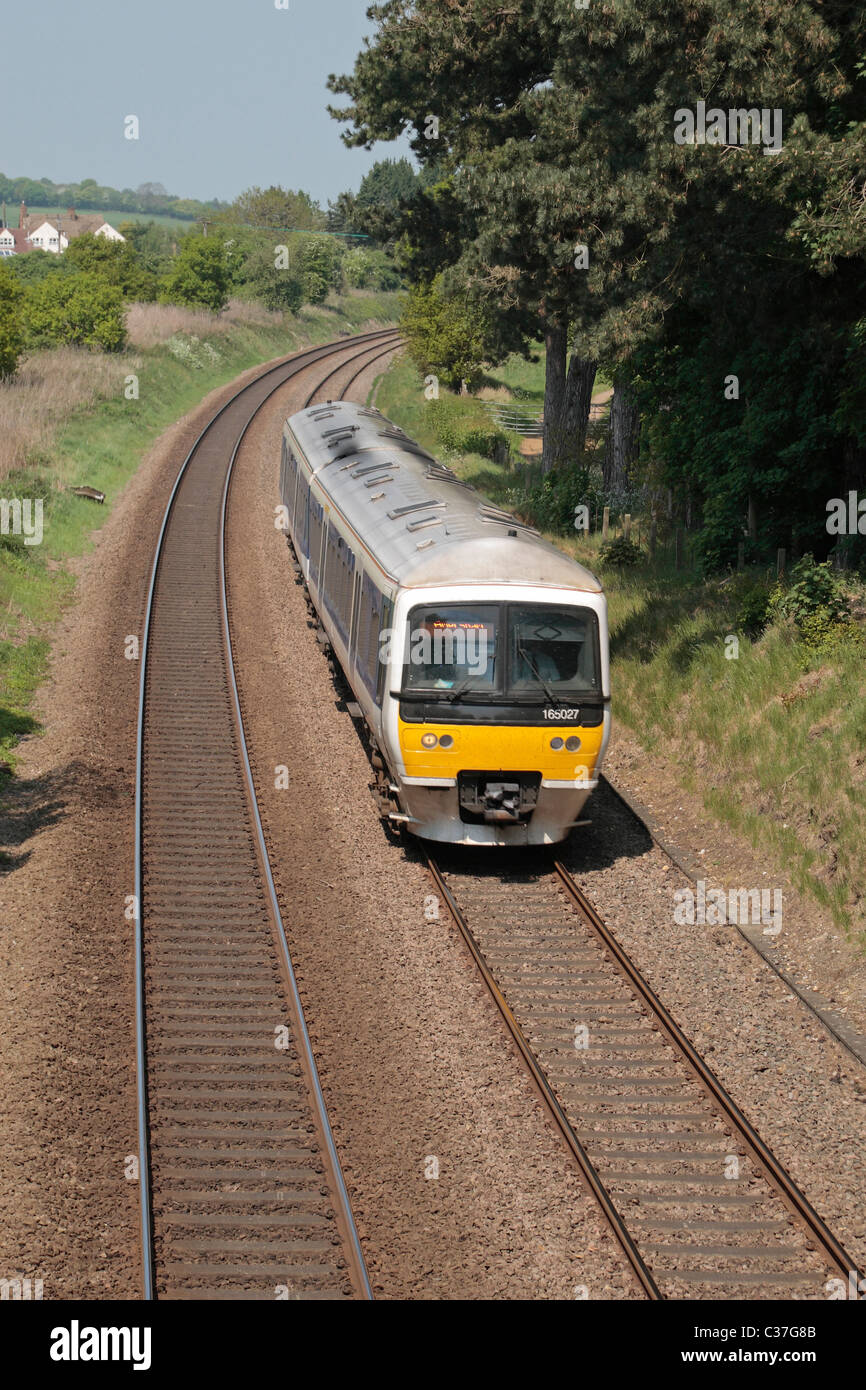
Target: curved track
241	1190
699	1205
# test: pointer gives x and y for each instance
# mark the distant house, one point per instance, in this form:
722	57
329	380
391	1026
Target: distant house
52	233
12	241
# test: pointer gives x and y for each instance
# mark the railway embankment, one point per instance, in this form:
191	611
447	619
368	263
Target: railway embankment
79	419
739	705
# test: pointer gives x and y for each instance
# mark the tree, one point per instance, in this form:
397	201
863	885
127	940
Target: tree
11	326
79	309
115	262
29	269
446	335
278	209
320	259
199	276
266	278
569	198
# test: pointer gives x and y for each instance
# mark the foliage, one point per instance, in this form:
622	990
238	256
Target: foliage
81	310
813	597
199	276
447	336
278	209
556	130
276	286
11	327
35	266
365	269
464	432
320	261
752	614
153	244
148	197
621	553
551	504
115	262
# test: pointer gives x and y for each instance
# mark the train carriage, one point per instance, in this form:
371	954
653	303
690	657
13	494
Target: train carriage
476	651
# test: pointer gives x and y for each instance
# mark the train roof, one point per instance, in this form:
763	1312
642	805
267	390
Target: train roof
423	524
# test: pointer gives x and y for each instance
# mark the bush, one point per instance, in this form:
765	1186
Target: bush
276	288
115	262
752	616
447	336
199	277
80	310
11	326
620	552
813	591
320	262
460	429
552	503
373	270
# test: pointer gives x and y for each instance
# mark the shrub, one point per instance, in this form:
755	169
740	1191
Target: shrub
80	309
373	270
11	327
273	284
813	591
620	552
199	277
552	503
115	262
752	615
460	429
320	262
447	335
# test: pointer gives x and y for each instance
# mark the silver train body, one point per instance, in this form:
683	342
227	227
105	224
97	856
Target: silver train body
476	651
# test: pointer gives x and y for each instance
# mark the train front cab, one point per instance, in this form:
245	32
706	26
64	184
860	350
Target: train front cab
499	707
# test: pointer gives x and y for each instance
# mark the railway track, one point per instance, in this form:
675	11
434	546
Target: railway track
700	1207
241	1190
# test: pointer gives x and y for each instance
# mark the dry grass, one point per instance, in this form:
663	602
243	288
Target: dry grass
148	325
46	390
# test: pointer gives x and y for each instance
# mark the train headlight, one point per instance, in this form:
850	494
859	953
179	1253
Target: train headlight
556	744
446	741
572	744
429	740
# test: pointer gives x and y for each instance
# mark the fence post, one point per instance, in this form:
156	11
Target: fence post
605	523
678	549
627	526
741	555
780	561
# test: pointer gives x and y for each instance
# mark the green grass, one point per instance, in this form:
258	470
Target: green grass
399	394
114	216
102	447
771	741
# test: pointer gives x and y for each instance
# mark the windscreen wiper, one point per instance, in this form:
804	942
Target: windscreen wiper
521	651
460	689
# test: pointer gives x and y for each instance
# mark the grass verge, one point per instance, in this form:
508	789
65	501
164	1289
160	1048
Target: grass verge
101	442
767	731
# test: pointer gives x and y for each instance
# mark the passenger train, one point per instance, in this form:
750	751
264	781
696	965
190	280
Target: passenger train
476	651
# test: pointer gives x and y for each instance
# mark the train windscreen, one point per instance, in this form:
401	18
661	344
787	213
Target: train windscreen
528	653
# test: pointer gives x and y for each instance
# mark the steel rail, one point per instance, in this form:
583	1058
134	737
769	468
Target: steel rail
586	1164
777	1178
773	1169
296	363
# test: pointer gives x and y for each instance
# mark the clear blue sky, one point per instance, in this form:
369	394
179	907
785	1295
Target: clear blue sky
229	93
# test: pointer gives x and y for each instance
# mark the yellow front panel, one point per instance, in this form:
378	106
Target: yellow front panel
499	747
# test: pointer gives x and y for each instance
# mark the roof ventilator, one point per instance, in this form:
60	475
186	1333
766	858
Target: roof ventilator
414	507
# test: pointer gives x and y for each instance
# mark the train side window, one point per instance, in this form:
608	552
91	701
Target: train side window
385	617
317	526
